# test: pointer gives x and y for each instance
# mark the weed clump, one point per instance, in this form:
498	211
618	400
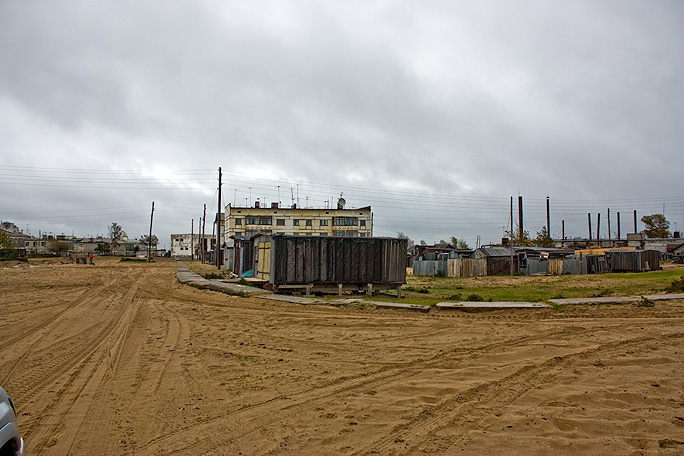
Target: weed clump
212	275
455	297
677	286
417	290
645	302
475	298
602	293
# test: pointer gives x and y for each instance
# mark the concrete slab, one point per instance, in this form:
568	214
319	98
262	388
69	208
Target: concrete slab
479	305
665	297
616	299
236	288
597	300
400	305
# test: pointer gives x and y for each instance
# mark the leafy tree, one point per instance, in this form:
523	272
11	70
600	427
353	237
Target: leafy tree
103	248
459	244
145	241
117	234
543	239
517	239
409	244
57	246
657	226
5	241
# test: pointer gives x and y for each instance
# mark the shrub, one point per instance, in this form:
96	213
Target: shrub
417	290
677	286
475	297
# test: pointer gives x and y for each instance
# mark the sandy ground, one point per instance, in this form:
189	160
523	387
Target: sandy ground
121	359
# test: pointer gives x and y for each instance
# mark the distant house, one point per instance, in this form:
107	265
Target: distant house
182	244
499	259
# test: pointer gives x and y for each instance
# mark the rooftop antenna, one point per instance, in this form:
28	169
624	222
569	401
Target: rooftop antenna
297	194
341	202
307	201
250	196
279	202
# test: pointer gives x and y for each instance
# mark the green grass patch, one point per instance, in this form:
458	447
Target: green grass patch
431	290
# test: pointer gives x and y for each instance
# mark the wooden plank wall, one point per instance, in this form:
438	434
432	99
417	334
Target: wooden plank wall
301	260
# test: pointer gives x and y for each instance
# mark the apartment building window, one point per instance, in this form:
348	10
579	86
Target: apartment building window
324	222
255	220
309	222
295	222
238	221
345	221
362	222
280	222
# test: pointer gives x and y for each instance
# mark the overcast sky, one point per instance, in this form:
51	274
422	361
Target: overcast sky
434	113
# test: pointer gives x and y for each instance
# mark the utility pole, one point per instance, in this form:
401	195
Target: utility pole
589	219
598	228
192	239
219	248
510	243
149	245
608	224
520	217
204	221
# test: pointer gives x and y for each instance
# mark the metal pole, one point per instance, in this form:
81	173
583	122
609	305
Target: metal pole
618	222
149	245
548	218
635	224
520	217
204	221
218	224
589	219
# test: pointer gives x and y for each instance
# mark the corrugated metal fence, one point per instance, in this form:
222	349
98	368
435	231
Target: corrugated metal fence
430	267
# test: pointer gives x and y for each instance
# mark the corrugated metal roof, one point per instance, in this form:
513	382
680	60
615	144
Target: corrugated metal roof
495	251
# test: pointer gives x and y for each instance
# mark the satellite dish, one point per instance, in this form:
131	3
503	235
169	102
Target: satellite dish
341	202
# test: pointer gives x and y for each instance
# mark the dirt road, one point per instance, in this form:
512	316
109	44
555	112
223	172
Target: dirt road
121	359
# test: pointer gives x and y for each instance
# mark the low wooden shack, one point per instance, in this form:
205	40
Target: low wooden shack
499	259
633	260
330	264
